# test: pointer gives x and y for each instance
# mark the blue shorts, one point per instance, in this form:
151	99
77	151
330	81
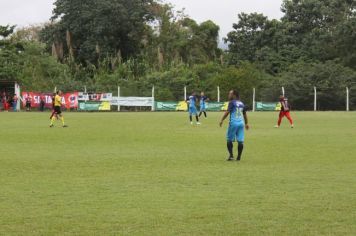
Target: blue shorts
193	111
236	132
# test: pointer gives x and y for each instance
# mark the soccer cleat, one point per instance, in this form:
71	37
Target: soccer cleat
198	123
238	159
191	123
277	126
230	159
65	126
51	126
292	126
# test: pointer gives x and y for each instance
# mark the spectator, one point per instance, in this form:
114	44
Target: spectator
28	102
14	102
42	103
4	100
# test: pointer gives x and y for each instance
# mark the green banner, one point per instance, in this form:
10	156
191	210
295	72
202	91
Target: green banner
94	106
166	106
215	106
260	106
183	106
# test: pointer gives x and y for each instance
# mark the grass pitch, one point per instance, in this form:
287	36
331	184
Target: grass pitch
154	174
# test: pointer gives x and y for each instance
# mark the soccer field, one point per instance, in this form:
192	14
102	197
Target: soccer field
154	174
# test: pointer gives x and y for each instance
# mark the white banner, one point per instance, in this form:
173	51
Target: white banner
103	97
132	101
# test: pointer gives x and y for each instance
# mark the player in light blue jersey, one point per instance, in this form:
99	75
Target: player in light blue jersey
237	125
192	108
203	100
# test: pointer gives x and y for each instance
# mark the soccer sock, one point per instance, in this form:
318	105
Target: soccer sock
279	121
290	119
200	114
53	120
230	147
197	118
62	119
205	114
52	115
240	149
191	118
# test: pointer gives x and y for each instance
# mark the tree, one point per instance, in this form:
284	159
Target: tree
90	29
9	54
180	39
330	79
247	37
26	61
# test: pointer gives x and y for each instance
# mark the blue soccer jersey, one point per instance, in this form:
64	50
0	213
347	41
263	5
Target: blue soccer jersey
236	130
203	103
236	109
203	100
192	107
192	100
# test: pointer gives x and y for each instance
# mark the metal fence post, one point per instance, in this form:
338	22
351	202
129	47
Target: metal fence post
185	93
218	93
118	99
153	98
347	99
254	100
315	99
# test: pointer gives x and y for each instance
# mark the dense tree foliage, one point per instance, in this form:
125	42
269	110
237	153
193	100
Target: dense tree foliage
27	62
140	43
312	45
90	29
9	54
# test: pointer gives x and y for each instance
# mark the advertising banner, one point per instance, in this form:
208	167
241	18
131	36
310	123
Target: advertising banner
260	106
69	100
132	101
166	106
183	106
95	96
216	106
94	106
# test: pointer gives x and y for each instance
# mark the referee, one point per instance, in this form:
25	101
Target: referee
57	109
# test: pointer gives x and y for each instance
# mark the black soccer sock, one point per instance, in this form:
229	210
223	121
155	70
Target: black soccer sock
230	147
191	118
205	114
200	114
240	150
197	117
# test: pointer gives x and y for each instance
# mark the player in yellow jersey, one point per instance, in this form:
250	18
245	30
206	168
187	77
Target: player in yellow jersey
57	109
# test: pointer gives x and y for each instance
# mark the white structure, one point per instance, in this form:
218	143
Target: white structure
185	93
254	100
218	93
134	101
347	99
315	100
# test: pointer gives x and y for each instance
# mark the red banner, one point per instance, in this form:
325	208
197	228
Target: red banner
69	100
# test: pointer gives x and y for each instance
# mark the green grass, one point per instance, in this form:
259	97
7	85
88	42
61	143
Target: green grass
154	174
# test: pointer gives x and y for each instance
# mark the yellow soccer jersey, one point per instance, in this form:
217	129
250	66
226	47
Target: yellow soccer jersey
57	101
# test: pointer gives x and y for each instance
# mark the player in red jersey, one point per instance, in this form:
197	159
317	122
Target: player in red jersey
285	112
